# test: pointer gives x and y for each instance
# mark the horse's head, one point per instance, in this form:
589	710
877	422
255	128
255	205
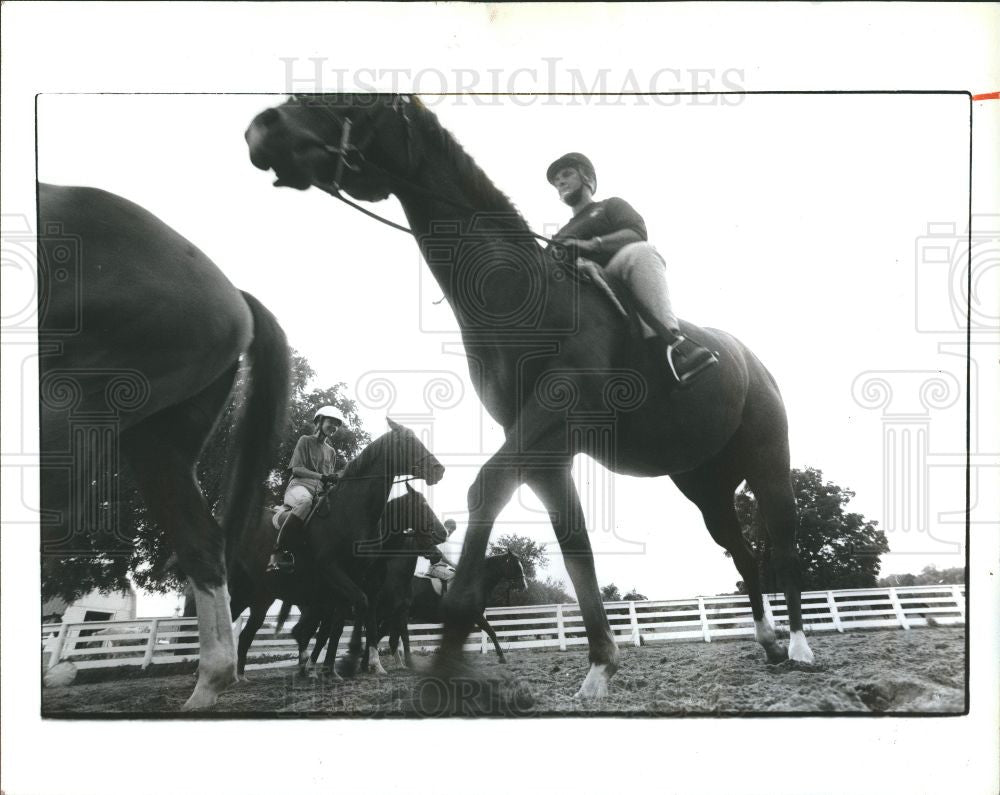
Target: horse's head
408	456
411	512
513	571
356	142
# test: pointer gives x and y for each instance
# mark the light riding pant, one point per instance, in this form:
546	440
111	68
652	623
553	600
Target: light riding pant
300	497
641	269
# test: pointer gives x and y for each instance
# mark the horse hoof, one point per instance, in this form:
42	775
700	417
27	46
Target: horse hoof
348	666
776	654
595	685
798	649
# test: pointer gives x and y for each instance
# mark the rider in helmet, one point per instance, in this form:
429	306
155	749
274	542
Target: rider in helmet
315	464
441	567
610	235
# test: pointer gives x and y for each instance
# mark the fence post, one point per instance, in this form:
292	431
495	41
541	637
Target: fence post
57	647
706	633
151	643
900	615
833	611
959	600
561	628
635	624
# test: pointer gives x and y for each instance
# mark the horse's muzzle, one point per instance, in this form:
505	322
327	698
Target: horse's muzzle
430	474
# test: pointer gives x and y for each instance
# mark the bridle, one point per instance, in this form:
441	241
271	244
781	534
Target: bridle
346	151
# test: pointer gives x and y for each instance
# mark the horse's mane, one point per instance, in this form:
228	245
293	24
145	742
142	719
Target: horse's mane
475	184
364	460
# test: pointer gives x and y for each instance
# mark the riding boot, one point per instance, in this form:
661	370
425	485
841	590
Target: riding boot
282	560
687	359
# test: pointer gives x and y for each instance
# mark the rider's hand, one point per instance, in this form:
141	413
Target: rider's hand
333	477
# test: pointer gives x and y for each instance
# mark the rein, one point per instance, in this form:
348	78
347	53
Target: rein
347	150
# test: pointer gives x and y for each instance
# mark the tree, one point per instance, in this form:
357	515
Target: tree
532	554
533	557
930	575
610	593
634	596
837	548
142	552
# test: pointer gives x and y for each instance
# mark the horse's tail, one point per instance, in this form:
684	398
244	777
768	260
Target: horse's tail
286	608
259	427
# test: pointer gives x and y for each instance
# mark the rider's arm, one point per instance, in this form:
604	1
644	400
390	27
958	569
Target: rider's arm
302	463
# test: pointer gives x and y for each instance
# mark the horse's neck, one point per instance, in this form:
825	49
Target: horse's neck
487	220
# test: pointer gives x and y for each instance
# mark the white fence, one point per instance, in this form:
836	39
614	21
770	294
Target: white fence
101	644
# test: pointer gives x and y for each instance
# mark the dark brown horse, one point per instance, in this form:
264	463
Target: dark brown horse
343	542
410	528
426	606
140	336
553	362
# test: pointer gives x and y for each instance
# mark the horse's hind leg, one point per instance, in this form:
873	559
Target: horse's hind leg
250	629
712	491
776	502
484	625
162	451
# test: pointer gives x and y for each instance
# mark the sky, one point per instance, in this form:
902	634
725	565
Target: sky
794	222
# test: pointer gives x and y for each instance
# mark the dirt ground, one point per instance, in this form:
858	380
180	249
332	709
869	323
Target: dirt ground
888	671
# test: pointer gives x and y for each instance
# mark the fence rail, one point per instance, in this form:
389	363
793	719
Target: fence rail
146	641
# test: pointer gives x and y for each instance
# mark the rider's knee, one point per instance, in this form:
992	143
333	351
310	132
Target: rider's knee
640	254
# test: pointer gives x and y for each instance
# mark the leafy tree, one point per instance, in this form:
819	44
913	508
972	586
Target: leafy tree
634	596
930	575
532	554
533	557
610	593
143	552
837	548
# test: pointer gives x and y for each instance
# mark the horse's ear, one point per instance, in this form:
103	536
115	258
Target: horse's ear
410	489
394	425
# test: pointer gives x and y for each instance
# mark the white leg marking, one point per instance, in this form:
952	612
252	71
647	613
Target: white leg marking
596	683
798	648
400	657
374	663
764	632
217	649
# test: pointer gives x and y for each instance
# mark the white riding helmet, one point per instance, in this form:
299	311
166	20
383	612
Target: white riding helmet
329	411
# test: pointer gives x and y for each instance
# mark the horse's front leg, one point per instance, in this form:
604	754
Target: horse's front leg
465	600
557	491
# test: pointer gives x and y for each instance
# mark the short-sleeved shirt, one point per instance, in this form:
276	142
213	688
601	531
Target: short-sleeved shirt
310	453
603	218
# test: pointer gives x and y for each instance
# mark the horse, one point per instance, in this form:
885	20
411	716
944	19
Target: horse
140	337
554	363
426	607
343	539
410	529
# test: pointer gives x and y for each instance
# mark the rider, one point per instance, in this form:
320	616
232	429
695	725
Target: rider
612	235
441	567
315	463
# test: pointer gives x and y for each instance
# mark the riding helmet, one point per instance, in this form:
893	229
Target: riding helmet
578	161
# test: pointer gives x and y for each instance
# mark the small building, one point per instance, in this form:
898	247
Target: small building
94	606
